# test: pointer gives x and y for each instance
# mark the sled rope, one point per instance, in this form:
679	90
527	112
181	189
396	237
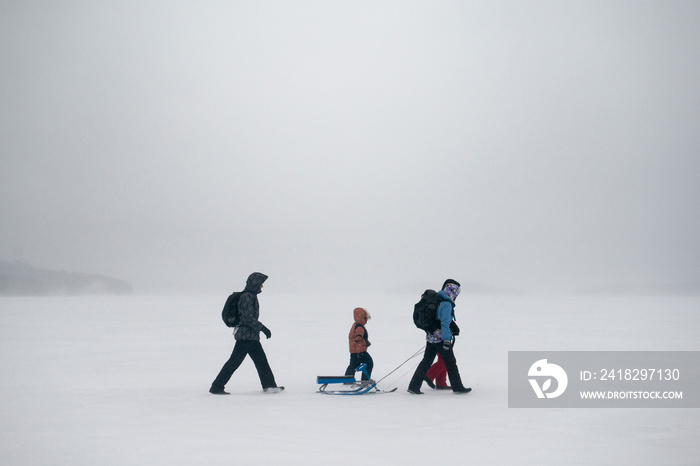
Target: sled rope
399	366
410	369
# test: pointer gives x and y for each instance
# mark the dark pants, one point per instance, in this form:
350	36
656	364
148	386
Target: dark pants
358	358
240	351
431	350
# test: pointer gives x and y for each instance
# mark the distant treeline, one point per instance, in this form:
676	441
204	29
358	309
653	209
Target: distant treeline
23	279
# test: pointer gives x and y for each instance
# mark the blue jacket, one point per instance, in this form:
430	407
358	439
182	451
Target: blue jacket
445	314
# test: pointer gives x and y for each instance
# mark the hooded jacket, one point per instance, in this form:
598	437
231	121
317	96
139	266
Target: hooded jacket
358	334
249	309
445	314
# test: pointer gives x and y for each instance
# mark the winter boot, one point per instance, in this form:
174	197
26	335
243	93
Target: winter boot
461	390
273	389
218	391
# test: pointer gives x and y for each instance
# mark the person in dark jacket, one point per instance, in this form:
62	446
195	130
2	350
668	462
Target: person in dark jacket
247	336
358	340
440	342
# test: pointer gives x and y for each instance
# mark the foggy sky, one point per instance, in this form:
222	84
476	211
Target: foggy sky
339	144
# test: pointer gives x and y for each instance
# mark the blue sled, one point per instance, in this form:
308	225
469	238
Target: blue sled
357	387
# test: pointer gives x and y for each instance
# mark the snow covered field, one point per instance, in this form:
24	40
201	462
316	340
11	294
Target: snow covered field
123	380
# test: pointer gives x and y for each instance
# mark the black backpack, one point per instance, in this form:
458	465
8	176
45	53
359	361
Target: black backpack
230	312
425	311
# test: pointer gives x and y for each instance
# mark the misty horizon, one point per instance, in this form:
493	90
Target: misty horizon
353	146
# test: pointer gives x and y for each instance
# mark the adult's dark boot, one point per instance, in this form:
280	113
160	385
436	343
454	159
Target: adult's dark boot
461	390
218	391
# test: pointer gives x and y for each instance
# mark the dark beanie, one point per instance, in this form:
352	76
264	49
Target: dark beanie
448	281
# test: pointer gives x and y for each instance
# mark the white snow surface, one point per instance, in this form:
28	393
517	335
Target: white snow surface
123	380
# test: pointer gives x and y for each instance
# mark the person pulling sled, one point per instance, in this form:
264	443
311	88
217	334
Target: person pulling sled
435	315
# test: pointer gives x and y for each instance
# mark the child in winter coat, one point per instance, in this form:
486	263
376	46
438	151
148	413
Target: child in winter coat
359	343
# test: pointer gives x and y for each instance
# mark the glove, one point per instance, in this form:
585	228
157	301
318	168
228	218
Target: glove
447	345
454	328
267	332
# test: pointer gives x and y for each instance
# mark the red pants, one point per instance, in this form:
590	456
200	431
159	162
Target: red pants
438	372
